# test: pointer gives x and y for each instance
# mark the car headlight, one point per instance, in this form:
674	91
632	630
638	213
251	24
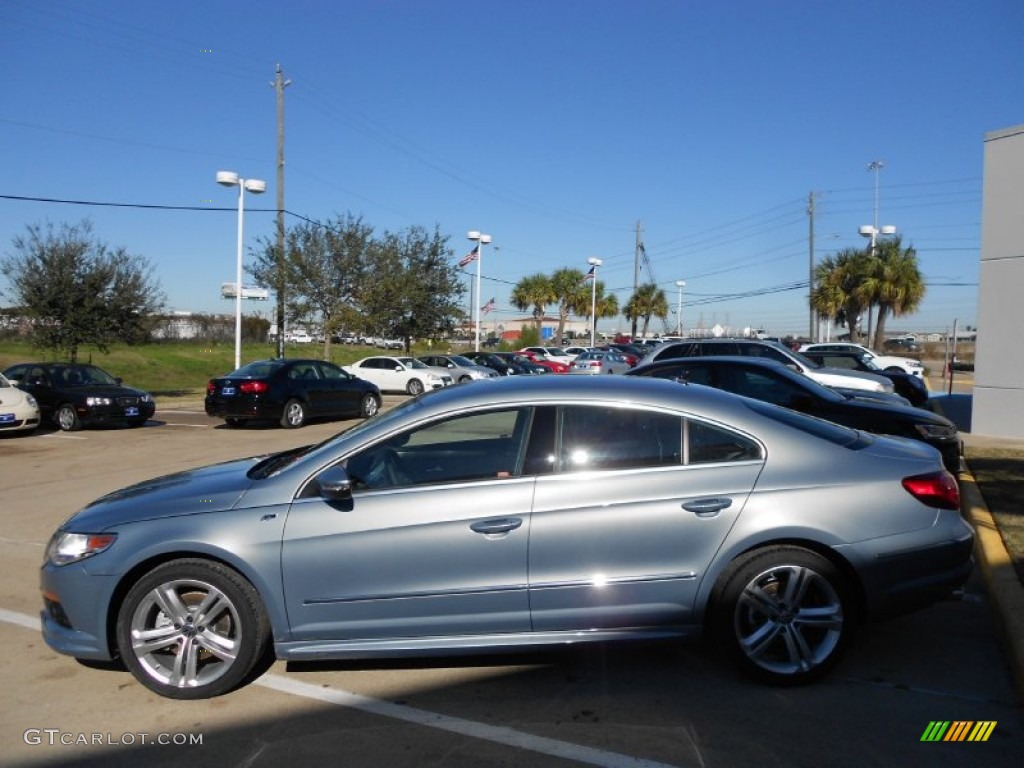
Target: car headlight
145	397
31	401
65	547
935	430
91	401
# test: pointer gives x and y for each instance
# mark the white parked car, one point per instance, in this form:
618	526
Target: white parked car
885	362
298	337
19	411
399	374
462	369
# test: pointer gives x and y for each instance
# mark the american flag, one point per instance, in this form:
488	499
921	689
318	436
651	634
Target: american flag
471	256
590	275
487	307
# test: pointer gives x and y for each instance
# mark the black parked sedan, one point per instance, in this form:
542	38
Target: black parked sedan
289	392
773	382
74	395
906	385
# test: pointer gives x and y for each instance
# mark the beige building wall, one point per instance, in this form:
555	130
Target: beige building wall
999	356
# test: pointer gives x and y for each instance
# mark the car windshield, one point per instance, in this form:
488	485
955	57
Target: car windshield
460	360
804	360
412	362
556	352
868	360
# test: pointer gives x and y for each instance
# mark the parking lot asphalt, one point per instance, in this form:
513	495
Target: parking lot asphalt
650	706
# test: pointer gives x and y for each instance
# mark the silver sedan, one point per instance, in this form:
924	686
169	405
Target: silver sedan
533	512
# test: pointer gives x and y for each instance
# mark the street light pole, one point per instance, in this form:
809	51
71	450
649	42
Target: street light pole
256	186
594	264
872	230
481	240
679	311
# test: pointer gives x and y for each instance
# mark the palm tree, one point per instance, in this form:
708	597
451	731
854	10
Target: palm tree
572	294
839	287
895	283
534	293
648	301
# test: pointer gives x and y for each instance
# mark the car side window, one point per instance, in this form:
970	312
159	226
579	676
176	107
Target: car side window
332	372
709	443
609	437
479	446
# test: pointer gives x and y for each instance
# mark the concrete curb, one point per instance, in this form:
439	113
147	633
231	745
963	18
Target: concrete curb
1004	587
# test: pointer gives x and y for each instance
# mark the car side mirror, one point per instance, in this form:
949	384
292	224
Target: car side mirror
334	484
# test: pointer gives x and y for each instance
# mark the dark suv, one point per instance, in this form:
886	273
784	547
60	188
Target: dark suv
830	377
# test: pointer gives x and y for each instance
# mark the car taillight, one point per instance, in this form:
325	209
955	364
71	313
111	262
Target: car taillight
211	388
253	387
938	489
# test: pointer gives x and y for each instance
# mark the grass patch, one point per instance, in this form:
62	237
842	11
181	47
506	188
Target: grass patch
999	473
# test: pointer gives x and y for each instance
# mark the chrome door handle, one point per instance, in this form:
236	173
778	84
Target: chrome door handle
501	525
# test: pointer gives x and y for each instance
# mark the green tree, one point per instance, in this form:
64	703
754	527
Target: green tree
411	289
606	305
325	267
840	291
894	283
75	290
648	301
534	293
572	294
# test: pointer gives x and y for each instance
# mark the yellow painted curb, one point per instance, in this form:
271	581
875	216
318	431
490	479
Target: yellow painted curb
1004	586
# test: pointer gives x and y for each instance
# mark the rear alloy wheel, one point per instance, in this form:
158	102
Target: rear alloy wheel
294	415
414	387
191	629
784	614
464	379
67	418
369	405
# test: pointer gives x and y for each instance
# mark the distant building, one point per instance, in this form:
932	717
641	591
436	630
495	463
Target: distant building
998	408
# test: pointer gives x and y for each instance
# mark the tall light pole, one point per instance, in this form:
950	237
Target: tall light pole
680	284
481	240
872	230
594	264
231	179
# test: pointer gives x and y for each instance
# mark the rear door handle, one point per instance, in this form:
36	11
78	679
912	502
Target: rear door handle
707	507
501	525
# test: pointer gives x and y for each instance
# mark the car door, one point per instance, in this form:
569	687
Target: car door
342	396
35	380
625	527
433	542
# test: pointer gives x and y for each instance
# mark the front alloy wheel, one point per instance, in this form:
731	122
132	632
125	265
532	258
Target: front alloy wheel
369	405
785	615
67	418
191	629
414	387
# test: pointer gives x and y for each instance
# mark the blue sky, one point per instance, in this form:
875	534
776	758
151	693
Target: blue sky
552	125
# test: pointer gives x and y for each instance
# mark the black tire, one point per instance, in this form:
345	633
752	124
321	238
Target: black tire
784	614
464	379
294	414
66	418
231	421
369	405
177	649
414	387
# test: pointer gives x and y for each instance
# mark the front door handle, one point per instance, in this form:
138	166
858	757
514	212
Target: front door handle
707	507
501	525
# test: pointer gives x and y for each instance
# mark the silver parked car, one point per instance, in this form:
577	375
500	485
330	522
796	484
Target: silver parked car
460	368
536	511
608	361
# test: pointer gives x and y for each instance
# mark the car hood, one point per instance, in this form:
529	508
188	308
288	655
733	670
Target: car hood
195	491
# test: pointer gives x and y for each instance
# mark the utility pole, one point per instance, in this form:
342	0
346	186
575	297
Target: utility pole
279	85
811	198
636	271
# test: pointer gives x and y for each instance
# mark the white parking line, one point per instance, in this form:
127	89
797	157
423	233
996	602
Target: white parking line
61	436
492	733
176	424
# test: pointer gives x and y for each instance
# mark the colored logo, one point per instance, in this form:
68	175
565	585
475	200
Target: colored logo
958	730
